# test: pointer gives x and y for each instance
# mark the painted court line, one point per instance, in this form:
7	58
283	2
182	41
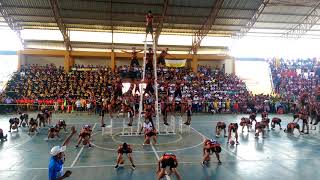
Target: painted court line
230	153
78	155
186	163
155	152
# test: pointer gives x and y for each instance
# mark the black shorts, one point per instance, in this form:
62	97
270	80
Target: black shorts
149	89
189	113
235	128
131	114
102	112
161	61
149	29
167	162
150	134
222	126
121	151
178	107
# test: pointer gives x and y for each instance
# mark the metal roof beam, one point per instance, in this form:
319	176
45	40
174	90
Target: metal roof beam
160	25
248	26
206	27
302	28
14	26
94	11
303	4
62	27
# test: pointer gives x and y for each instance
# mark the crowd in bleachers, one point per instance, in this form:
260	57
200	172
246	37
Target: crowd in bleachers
293	78
209	90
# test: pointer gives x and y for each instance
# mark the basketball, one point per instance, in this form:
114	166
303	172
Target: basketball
24	124
232	142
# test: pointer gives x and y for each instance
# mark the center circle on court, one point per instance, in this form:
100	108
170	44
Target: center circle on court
170	142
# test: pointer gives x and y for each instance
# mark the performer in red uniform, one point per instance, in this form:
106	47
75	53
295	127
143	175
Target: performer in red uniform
291	126
84	136
245	122
233	127
210	146
149	27
275	121
221	126
134	57
259	128
168	160
124	149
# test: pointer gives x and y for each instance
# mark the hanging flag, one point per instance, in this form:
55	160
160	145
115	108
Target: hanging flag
176	63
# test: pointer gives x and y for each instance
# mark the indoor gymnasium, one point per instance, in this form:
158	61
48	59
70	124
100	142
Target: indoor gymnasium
159	89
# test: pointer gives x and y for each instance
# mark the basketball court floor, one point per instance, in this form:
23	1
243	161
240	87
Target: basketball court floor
278	156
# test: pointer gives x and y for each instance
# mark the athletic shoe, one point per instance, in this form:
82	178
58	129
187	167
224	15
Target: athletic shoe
133	166
116	167
167	124
76	146
103	125
90	146
129	124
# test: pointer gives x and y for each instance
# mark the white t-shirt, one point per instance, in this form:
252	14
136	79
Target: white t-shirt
147	126
78	103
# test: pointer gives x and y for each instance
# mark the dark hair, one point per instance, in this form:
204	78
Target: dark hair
150	12
125	146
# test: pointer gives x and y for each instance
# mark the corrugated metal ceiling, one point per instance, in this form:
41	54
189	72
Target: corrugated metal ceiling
183	16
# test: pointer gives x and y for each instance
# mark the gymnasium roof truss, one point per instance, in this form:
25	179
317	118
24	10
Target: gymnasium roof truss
306	25
11	22
160	25
205	28
244	30
62	27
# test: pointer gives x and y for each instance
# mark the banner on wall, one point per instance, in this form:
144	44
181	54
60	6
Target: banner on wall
176	63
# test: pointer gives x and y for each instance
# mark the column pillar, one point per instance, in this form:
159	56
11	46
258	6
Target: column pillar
67	61
71	61
194	63
234	65
113	61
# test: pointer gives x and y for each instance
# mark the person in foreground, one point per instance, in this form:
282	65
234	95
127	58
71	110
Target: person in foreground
57	159
210	146
124	149
167	159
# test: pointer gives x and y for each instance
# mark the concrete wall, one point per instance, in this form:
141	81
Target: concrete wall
229	66
212	63
126	61
92	61
43	60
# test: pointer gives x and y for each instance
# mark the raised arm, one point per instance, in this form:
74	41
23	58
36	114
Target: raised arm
67	140
125	52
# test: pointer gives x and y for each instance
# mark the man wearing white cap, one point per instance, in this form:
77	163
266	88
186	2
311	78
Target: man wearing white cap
57	159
